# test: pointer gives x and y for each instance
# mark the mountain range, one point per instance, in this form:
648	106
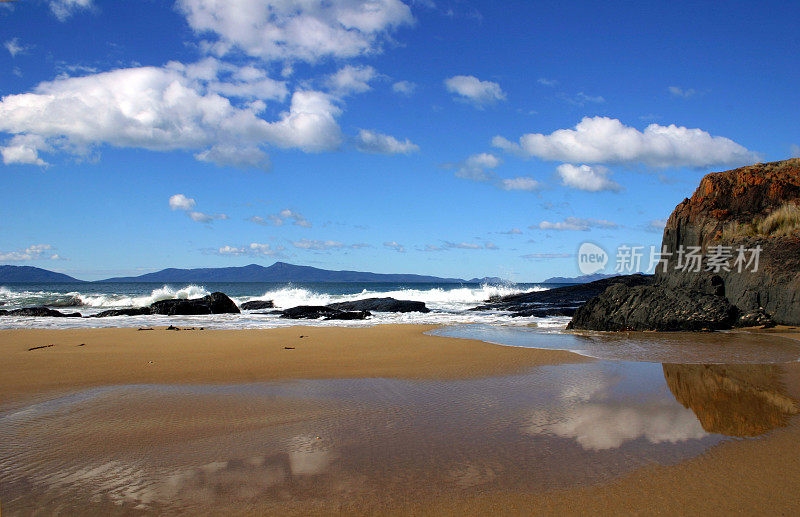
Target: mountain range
277	272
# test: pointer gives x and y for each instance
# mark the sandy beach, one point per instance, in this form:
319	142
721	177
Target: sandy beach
381	420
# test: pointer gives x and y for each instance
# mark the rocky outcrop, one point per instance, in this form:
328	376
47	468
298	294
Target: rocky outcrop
314	312
381	305
650	307
560	301
255	305
214	303
711	297
42	311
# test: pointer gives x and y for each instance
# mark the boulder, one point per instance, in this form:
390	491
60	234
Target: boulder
214	303
140	311
42	311
653	307
255	305
381	305
321	311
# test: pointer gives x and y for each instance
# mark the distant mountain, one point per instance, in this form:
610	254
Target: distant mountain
30	274
584	279
277	272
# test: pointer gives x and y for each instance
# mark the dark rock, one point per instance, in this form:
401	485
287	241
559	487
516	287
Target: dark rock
140	311
39	347
257	304
560	301
381	305
3	312
320	311
756	318
172	328
214	303
41	311
654	307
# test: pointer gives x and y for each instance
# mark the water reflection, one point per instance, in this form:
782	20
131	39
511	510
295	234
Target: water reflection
360	444
735	400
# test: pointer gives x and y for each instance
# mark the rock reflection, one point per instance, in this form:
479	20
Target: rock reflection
742	400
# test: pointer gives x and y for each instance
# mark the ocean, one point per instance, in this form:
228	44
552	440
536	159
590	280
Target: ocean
449	303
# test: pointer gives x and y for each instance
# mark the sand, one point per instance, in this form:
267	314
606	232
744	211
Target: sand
97	357
748	476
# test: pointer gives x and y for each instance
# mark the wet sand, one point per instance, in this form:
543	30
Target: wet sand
98	357
383	420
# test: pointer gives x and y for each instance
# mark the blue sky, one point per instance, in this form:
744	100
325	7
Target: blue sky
439	137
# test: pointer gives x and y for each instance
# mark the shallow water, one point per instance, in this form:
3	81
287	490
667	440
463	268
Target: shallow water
663	347
361	445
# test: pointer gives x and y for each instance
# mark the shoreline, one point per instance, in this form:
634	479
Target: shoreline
84	358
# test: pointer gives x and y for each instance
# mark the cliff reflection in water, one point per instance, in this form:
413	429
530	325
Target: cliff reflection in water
742	400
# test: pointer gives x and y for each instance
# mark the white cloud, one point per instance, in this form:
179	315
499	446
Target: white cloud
395	246
546	256
14	47
377	143
478	167
33	252
281	217
201	217
404	87
677	91
181	202
317	245
351	79
163	109
472	89
656	225
544	81
585	177
24	149
519	183
512	231
607	140
795	150
309	30
581	99
63	9
255	249
464	246
575	224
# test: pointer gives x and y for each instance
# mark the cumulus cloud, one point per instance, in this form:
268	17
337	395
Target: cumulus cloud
63	9
512	231
377	143
470	88
404	87
585	177
253	249
574	224
393	245
279	219
14	47
307	31
181	202
351	79
176	107
33	252
519	183
606	140
478	167
677	91
24	149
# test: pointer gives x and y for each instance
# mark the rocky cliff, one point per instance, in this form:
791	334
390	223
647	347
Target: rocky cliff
749	208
